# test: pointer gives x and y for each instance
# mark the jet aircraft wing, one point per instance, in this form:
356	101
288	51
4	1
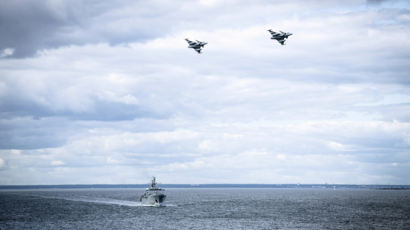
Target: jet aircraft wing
198	50
273	33
190	42
281	41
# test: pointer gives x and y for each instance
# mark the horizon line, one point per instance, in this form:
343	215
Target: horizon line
210	185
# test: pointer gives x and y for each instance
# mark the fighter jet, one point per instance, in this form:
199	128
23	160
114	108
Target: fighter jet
197	46
280	37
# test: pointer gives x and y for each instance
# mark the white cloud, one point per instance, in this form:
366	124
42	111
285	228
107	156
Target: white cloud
57	163
6	52
111	160
15	152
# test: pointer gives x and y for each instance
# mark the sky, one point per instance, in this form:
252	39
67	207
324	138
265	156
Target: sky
107	92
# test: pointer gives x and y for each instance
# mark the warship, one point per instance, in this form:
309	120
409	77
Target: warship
153	195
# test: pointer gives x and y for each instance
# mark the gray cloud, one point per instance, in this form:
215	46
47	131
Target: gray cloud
375	1
26	133
29	26
101	111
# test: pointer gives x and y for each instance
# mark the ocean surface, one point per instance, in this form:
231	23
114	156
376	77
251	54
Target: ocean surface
206	208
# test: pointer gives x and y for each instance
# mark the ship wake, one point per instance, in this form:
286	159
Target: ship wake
110	201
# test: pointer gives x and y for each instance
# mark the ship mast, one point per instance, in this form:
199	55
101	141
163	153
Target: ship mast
153	183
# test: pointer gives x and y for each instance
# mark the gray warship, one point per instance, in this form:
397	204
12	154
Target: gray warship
153	195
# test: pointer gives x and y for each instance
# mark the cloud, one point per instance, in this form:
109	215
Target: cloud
57	163
30	26
6	52
375	1
113	93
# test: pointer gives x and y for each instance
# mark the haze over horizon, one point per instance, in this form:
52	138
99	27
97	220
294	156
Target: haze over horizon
108	93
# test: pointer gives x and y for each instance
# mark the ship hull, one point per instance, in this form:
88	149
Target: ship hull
153	199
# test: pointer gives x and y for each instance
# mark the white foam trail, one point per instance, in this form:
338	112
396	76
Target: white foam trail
112	201
122	202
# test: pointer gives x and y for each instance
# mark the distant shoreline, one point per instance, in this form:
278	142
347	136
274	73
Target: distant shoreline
294	186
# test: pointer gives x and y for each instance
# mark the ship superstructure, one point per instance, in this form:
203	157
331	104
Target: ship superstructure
153	195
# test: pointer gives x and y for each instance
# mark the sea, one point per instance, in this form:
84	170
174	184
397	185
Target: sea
196	207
